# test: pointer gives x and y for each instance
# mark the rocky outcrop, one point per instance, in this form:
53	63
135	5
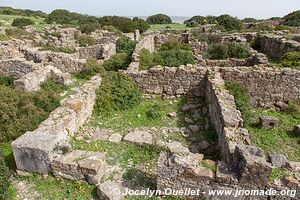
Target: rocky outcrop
35	150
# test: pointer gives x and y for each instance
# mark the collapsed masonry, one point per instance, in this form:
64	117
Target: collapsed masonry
47	148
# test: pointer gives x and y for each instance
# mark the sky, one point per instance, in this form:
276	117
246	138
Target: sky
260	9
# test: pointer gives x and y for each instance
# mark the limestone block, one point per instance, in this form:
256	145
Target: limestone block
33	151
110	191
268	122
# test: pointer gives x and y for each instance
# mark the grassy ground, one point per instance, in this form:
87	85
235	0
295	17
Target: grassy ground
279	140
39	22
155	27
137	117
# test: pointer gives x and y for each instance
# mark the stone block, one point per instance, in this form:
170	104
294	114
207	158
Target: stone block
139	137
33	151
268	122
110	191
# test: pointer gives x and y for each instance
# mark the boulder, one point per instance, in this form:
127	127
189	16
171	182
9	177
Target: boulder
110	191
278	160
268	122
116	137
139	137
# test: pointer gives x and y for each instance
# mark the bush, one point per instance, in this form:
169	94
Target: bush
3	37
20	12
18	33
292	19
230	50
63	17
290	60
236	50
117	92
125	45
174	58
5	174
22	22
154	112
229	23
264	27
91	68
89	27
7	81
125	24
146	59
249	20
159	19
218	51
86	40
117	62
196	21
174	44
21	111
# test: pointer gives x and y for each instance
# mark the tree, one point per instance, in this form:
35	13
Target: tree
292	19
63	17
159	19
229	23
22	22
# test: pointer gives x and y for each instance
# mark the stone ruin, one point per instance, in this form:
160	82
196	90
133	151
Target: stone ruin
47	149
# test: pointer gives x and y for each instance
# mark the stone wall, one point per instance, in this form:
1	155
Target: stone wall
33	80
35	150
17	67
99	52
277	46
266	85
171	82
225	117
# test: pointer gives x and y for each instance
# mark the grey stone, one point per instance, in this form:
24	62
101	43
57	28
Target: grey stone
278	160
268	122
194	128
203	145
139	137
172	115
177	147
116	137
110	191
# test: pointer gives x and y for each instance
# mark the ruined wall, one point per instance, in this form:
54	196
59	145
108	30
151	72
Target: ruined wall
266	85
171	82
34	151
17	67
225	117
277	46
100	51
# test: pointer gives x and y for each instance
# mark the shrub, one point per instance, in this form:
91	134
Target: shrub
159	19
290	60
196	21
249	20
218	51
174	44
89	27
264	27
293	108
91	68
22	22
60	16
117	62
86	40
125	24
174	58
154	112
21	111
236	50
117	92
3	37
229	23
52	48
7	80
146	59
18	33
125	45
5	174
292	19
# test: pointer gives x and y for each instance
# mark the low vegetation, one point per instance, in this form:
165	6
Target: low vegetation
22	22
17	33
86	40
279	140
49	47
17	105
290	60
172	53
230	50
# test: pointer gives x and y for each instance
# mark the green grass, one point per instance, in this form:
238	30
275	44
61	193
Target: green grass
137	116
156	27
277	173
38	26
279	140
52	188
